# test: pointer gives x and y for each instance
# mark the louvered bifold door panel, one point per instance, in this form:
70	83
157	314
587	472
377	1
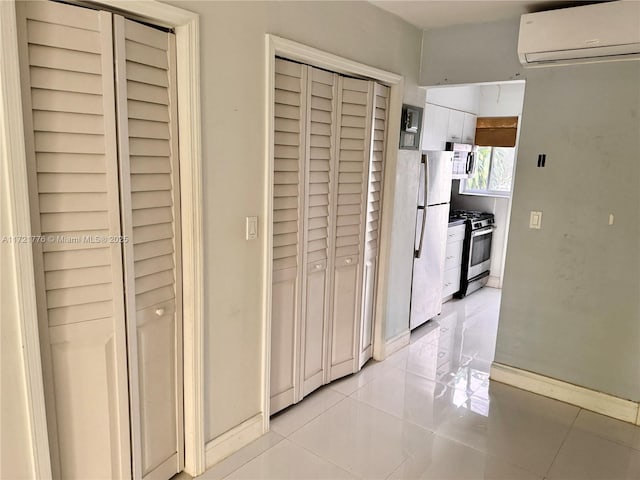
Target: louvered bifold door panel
320	152
289	111
150	198
68	99
353	152
374	203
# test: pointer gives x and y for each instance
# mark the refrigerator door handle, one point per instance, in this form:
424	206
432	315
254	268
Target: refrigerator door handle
426	181
418	253
422	199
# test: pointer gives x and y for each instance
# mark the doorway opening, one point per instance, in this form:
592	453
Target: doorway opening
478	125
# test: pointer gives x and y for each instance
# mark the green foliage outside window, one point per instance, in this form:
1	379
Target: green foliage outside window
494	172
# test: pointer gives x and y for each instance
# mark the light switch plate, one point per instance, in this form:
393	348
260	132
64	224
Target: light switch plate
535	220
252	228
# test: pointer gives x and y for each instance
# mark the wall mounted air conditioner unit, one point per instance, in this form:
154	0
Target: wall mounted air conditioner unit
603	31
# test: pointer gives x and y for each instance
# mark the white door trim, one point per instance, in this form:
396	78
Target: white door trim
289	49
186	25
14	171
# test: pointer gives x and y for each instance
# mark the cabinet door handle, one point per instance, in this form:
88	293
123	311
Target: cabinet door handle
450	257
318	266
348	261
159	312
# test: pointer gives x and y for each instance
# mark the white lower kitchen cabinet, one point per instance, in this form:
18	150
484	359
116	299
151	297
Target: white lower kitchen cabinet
453	260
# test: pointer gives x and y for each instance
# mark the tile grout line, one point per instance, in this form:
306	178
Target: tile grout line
323	458
601	436
433	432
343	468
285	437
437	381
302	447
486	453
396	468
443	437
282	438
380	363
380	411
564	440
313	418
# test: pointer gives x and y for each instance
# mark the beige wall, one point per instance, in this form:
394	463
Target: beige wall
233	115
570	304
484	52
15	442
462	97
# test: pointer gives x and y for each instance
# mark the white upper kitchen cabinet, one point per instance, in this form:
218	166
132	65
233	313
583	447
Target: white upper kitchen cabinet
442	125
456	123
435	127
469	128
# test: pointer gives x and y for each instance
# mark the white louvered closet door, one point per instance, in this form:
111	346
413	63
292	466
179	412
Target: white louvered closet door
288	177
374	203
319	161
68	100
149	181
354	149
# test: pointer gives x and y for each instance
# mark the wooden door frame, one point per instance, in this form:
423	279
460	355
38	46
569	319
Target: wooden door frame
186	26
278	46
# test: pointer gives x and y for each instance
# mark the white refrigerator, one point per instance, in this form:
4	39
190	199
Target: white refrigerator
432	220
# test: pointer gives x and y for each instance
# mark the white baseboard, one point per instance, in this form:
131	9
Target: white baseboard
396	343
230	442
599	402
494	282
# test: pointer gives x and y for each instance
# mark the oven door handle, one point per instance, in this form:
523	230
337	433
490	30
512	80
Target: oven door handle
482	231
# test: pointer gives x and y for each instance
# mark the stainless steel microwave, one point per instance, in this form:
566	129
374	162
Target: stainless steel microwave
464	159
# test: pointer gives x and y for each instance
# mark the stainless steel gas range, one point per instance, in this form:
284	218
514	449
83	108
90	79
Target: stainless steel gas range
476	253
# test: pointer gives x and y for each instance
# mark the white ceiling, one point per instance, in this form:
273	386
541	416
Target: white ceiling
428	14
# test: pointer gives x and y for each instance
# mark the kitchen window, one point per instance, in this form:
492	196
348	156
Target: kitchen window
493	174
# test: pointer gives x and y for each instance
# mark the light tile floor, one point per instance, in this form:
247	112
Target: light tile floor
430	412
